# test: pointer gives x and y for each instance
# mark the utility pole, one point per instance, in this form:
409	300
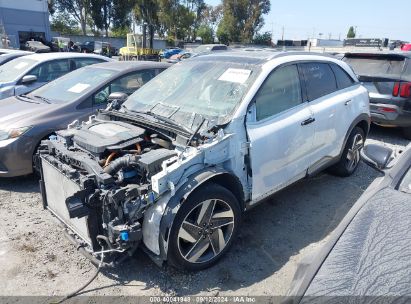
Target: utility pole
282	35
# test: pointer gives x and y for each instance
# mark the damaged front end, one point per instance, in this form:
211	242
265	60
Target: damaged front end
110	179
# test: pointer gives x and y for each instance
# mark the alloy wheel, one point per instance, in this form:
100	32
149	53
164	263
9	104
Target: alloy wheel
205	231
353	155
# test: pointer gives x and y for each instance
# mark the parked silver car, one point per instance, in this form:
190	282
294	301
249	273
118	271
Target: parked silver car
7	55
24	74
26	120
176	167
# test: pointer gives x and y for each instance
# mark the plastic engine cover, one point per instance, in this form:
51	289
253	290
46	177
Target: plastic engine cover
111	135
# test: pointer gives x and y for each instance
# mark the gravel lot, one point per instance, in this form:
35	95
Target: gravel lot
36	259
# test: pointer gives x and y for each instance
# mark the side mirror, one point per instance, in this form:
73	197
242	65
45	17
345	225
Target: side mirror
28	79
376	156
115	100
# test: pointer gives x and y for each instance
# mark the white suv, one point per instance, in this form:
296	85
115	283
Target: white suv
176	166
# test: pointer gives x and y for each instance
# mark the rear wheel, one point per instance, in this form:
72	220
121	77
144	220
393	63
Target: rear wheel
407	132
350	157
204	228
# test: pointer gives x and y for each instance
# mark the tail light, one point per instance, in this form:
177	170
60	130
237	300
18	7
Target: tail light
402	88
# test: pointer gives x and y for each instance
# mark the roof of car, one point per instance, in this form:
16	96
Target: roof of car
254	55
63	55
127	66
13	51
379	54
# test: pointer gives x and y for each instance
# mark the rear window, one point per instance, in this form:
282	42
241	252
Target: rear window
319	80
376	66
343	79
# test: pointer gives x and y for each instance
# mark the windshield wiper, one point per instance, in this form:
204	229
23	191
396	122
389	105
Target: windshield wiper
46	100
24	98
161	118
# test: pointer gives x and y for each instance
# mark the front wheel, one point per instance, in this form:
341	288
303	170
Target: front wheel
350	157
204	228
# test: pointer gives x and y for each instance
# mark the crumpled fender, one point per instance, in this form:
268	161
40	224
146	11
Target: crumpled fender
160	217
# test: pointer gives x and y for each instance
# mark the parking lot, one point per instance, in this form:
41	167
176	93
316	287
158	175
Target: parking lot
35	258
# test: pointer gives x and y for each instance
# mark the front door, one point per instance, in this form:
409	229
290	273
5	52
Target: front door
281	133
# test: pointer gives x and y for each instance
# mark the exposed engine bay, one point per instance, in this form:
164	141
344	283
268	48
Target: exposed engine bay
100	178
112	163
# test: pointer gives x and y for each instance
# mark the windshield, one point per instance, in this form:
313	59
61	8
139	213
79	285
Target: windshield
13	69
73	85
376	66
194	89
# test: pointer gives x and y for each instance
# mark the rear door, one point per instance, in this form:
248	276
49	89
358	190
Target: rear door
281	132
332	105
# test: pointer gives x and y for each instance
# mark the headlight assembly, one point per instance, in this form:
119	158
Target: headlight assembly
13	132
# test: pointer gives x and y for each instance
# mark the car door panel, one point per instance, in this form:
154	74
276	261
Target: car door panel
280	150
327	103
280	127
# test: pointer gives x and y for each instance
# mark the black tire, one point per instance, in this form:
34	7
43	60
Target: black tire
345	167
192	207
406	132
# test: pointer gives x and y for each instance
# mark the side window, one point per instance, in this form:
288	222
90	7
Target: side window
51	70
82	62
130	83
280	91
101	97
319	79
343	79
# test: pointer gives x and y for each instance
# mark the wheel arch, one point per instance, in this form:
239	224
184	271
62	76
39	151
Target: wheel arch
363	121
215	175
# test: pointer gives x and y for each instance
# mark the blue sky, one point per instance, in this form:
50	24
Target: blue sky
302	18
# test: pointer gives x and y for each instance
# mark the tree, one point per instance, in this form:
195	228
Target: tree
351	32
145	11
206	33
51	6
262	39
111	12
175	18
77	9
62	23
242	19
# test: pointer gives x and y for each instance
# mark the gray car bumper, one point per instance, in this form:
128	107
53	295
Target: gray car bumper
390	115
16	156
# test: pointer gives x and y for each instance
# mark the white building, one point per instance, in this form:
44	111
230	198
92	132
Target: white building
22	20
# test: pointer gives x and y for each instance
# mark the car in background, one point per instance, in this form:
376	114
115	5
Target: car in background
27	119
24	74
387	77
36	47
406	47
177	165
181	56
167	53
367	257
210	48
7	54
98	47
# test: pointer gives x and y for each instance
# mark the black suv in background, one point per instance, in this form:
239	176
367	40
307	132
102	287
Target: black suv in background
98	47
387	76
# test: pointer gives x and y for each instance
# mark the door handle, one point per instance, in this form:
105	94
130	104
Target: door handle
308	121
347	102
